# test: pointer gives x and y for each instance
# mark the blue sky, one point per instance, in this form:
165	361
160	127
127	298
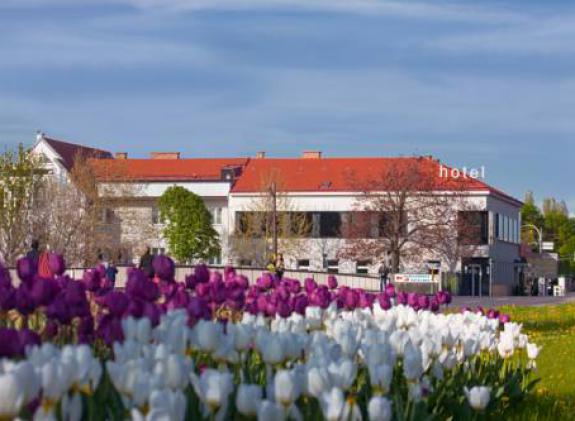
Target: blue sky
471	82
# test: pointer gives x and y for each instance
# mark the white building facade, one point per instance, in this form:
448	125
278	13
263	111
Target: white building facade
313	185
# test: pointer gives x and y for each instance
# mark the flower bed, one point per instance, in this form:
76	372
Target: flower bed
216	347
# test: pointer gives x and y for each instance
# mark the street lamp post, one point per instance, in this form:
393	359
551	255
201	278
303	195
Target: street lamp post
273	193
539	232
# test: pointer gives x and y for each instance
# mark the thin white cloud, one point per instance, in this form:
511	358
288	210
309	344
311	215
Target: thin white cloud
545	36
426	10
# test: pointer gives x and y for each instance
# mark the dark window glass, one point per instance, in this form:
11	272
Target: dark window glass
473	227
330	224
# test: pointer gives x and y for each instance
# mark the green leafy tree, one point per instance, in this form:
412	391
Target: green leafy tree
20	179
188	228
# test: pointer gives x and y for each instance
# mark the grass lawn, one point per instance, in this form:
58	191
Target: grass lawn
553	328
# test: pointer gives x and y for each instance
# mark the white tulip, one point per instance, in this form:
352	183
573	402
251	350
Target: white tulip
332	404
72	407
478	397
270	347
381	376
506	344
248	399
318	380
213	387
268	411
532	351
379	409
313	317
13	394
342	373
286	388
412	363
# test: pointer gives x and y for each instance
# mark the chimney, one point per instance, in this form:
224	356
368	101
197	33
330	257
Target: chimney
121	155
39	135
165	155
311	155
260	154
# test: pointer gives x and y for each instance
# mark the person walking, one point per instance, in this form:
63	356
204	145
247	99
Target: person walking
33	254
146	263
44	265
279	266
383	275
111	272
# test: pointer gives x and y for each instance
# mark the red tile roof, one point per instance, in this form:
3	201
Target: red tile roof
347	174
69	151
201	169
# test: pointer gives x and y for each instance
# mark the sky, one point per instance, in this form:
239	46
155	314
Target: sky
473	83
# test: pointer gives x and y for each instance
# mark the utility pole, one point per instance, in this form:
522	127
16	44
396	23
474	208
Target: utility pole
273	193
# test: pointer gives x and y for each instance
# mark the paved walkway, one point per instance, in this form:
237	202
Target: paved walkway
460	301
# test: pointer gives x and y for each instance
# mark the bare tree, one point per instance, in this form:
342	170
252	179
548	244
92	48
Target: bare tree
403	210
252	239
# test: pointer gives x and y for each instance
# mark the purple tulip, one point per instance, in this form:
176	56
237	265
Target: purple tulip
492	314
265	281
300	303
504	318
283	309
351	299
229	272
384	301
309	285
242	281
58	310
24	301
7	298
390	290
116	302
86	330
423	302
332	282
202	273
203	290
152	312
26	269
434	304
110	329
139	286
191	281
92	279
401	298
9	343
56	263
28	338
412	299
44	291
164	267
447	297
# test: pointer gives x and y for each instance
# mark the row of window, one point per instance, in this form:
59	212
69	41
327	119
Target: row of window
216	213
322	224
507	229
332	265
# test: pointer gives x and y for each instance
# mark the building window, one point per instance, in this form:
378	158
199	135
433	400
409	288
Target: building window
333	266
107	215
303	264
362	266
216	260
156	219
329	224
158	251
473	227
216	215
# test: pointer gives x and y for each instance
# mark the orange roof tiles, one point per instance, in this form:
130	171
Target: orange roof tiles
164	169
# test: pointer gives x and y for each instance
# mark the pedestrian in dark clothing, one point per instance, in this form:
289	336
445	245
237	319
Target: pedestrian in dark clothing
383	275
146	263
279	266
34	254
111	272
